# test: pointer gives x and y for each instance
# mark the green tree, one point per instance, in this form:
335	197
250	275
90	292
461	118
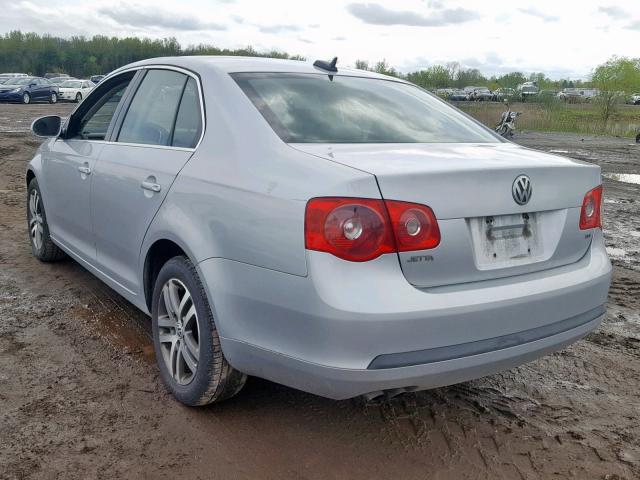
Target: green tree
615	78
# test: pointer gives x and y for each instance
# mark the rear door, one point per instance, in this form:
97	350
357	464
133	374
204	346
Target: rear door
41	89
153	140
44	89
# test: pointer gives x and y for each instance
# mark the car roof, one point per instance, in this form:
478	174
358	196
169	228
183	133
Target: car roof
233	64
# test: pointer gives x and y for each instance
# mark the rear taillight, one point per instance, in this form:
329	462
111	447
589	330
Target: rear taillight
590	216
414	226
361	229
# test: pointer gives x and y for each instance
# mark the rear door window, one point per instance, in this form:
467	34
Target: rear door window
152	113
188	126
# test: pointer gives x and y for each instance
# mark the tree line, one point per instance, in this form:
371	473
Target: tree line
80	57
453	75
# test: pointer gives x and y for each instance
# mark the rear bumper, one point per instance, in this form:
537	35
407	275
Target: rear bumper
341	383
349	329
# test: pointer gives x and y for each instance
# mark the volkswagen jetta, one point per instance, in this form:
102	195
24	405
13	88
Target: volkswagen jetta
334	230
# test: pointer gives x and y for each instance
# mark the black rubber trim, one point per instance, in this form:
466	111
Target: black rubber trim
439	354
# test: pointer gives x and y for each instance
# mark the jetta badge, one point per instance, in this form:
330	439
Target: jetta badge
522	190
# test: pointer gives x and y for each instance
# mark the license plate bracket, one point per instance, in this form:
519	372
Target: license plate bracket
506	240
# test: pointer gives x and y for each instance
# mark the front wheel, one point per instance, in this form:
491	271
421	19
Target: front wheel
42	246
53	98
186	340
26	98
78	97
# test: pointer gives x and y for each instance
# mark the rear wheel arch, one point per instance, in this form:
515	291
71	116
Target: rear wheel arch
30	176
159	253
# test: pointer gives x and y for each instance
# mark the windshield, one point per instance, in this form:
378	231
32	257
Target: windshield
318	108
71	84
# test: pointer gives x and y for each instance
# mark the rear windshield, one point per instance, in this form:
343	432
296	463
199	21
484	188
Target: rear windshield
317	108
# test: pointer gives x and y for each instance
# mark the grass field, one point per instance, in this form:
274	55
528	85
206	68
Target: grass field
559	117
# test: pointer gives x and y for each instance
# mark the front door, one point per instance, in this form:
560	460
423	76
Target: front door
68	167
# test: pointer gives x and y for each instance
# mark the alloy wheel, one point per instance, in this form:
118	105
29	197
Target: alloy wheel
36	223
26	98
178	331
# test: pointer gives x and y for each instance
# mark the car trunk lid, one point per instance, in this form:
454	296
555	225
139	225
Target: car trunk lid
485	232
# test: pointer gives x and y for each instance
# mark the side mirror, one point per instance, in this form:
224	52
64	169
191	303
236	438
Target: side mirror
48	126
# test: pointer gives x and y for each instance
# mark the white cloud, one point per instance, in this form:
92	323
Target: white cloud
534	12
377	14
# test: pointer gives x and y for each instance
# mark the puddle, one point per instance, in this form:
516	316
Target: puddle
616	252
127	330
624	177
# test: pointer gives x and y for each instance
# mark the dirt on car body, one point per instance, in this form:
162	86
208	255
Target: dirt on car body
80	396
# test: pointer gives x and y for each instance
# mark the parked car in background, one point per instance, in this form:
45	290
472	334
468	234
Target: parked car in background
527	90
570	95
96	78
75	90
426	250
635	99
60	80
502	93
6	76
443	92
458	95
589	93
481	94
50	76
469	90
28	90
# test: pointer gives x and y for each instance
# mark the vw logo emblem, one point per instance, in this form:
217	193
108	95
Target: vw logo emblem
522	190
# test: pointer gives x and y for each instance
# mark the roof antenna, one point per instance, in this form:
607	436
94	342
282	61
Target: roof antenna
328	66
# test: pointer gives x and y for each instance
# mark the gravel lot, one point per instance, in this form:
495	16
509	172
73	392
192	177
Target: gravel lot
80	396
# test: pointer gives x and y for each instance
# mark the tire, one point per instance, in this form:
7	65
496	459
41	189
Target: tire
41	245
214	380
26	98
78	97
53	98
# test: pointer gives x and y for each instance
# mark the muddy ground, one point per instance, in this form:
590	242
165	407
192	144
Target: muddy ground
80	396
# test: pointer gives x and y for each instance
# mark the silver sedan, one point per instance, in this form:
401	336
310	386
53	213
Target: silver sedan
334	230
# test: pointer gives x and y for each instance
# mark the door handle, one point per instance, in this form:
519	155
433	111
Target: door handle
84	169
151	186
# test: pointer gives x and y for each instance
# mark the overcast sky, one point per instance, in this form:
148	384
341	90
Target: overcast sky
563	39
